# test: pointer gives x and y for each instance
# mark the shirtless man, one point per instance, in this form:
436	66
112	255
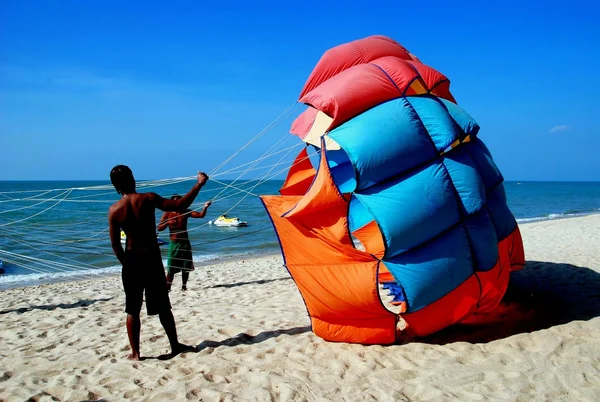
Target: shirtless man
180	248
142	262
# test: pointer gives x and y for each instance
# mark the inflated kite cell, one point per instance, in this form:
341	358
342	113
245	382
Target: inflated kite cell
403	225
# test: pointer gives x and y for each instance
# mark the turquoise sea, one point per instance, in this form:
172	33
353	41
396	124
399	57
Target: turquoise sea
51	231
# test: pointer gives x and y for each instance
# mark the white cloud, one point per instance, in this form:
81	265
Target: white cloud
558	129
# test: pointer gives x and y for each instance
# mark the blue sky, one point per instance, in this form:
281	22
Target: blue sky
170	89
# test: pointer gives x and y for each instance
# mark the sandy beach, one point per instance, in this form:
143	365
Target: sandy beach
68	342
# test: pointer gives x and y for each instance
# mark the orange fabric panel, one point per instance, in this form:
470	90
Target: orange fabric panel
445	311
337	282
334	293
366	332
300	176
370	236
303	243
322	195
385	276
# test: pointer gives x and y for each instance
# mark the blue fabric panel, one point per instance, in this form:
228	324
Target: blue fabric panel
484	243
485	164
358	215
342	170
502	217
315	157
468	125
466	179
430	272
414	208
442	129
394	290
384	141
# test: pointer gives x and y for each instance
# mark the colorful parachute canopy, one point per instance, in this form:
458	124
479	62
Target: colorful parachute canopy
403	225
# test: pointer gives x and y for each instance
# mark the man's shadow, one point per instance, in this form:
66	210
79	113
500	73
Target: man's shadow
540	296
49	307
239	339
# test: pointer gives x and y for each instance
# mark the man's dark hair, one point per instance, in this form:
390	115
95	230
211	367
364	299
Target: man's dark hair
175	197
122	178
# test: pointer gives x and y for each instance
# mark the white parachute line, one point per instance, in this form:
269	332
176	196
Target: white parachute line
284	138
43	200
33	197
39	239
27	238
240	190
27	267
29	206
266	178
52	265
260	167
80	263
265	130
250	192
38	213
256	160
144	184
139	184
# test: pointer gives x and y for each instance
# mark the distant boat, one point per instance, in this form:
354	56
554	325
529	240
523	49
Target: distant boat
226	221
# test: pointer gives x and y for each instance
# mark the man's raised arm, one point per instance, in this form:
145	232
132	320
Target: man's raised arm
184	202
202	213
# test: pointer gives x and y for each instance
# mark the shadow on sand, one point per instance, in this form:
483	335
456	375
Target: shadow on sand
49	307
239	339
259	282
540	296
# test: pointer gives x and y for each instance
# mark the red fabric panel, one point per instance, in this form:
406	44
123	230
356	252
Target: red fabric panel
303	123
352	92
400	71
517	253
350	54
445	311
430	76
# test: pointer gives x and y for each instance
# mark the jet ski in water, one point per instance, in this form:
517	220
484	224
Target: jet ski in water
160	241
224	220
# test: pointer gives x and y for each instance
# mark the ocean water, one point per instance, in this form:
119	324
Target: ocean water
52	231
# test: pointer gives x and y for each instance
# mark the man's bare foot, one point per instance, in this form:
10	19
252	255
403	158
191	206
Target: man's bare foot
134	356
181	348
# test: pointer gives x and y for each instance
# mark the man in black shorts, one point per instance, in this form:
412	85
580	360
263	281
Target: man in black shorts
142	263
